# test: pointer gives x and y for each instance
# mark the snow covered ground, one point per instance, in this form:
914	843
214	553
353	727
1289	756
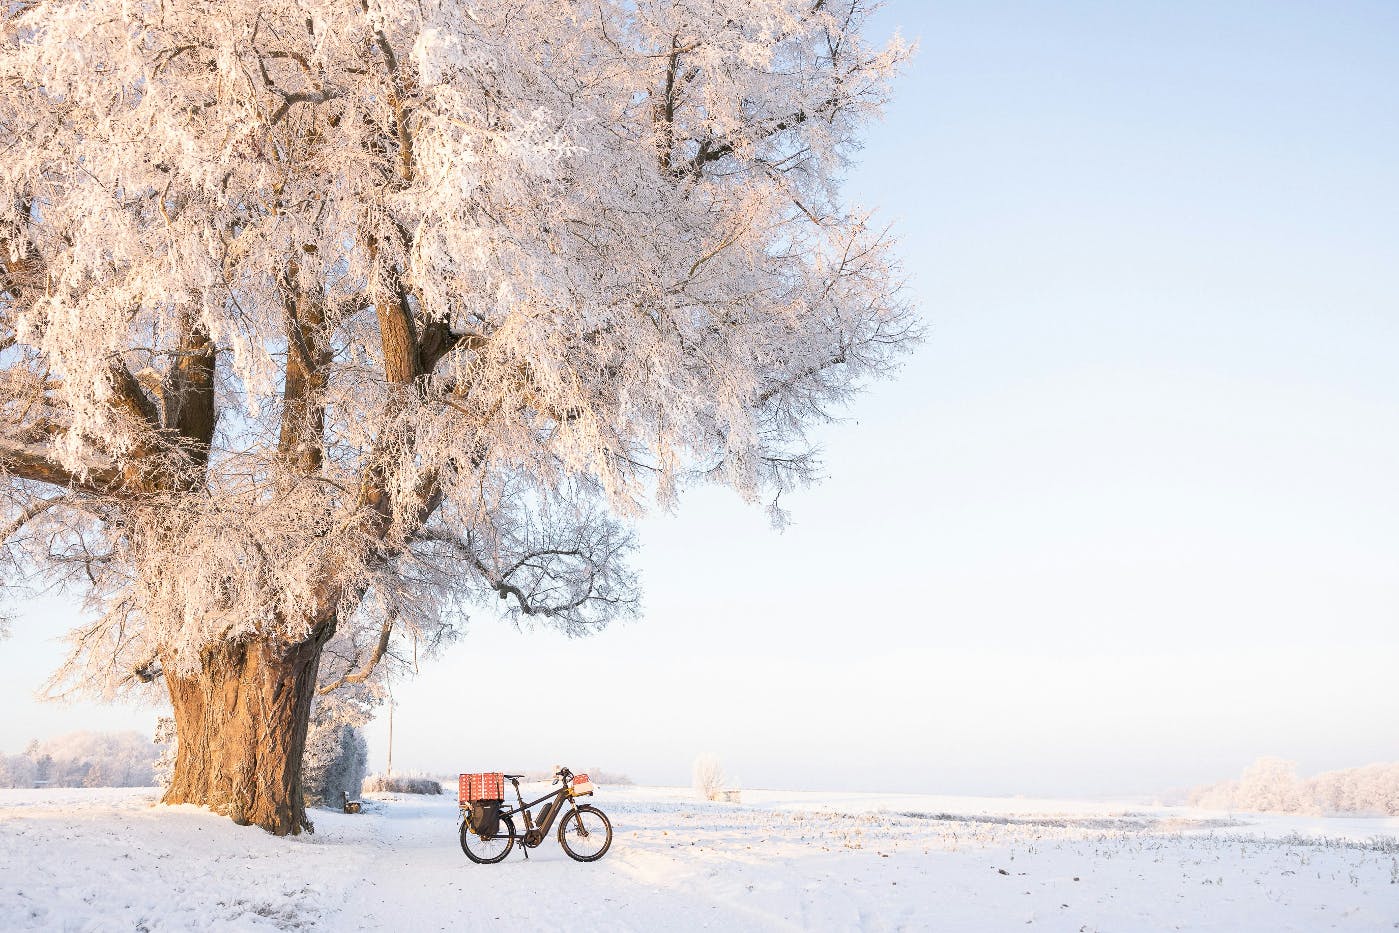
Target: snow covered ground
97	860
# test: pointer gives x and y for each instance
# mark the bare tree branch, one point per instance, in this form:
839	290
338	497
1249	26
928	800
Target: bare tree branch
26	463
27	515
367	670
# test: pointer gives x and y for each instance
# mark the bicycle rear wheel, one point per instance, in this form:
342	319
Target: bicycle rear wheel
585	834
492	850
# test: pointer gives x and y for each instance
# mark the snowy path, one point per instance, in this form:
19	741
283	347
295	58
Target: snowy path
107	860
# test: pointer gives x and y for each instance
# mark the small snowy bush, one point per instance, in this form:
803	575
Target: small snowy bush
708	777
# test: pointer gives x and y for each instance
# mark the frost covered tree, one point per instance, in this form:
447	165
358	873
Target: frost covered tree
707	776
334	766
320	320
337	755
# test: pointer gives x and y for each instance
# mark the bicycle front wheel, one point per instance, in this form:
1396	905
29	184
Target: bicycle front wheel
492	850
585	834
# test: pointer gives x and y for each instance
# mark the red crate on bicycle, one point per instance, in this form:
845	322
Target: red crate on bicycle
488	785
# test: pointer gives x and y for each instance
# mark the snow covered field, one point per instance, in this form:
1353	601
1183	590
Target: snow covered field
108	860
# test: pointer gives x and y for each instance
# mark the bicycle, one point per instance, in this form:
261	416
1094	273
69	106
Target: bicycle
488	833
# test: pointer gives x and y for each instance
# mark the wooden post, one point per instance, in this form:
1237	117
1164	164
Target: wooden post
390	767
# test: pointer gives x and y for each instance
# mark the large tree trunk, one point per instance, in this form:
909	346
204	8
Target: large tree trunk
241	723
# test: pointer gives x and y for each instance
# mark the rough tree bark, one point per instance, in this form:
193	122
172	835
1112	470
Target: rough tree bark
242	718
242	723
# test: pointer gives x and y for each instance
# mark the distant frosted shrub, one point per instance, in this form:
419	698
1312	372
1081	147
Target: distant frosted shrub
401	784
708	777
1270	784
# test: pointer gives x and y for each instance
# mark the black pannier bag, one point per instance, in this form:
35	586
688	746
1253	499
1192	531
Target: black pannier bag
485	817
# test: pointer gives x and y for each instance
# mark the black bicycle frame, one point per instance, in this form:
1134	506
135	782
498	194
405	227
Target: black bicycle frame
537	831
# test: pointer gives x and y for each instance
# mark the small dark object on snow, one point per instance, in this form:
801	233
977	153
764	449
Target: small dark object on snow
351	806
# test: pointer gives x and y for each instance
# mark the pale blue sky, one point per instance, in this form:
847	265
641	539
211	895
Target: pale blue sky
1129	518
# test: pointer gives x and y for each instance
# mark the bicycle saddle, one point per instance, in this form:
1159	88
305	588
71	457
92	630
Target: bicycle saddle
511	777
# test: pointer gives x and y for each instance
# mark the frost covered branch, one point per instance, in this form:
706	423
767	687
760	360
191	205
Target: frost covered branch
27	514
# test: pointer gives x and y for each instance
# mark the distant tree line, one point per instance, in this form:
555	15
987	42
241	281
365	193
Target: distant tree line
596	775
1271	785
336	757
83	759
401	784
